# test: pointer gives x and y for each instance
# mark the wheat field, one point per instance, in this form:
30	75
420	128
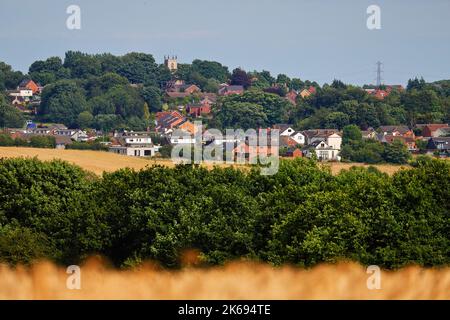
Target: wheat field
99	162
239	280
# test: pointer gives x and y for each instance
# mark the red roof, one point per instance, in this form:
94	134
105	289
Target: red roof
312	89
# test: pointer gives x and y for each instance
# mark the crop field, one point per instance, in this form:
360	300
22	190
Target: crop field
238	280
99	162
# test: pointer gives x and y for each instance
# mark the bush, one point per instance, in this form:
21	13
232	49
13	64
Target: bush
42	142
303	215
87	146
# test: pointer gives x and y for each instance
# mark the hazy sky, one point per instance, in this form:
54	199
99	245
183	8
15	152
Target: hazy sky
312	39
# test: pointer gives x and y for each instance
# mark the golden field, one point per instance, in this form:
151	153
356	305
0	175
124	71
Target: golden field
99	162
238	280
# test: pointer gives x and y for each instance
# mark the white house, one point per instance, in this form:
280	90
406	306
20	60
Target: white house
298	137
182	140
182	137
326	143
134	144
21	92
335	141
285	129
323	151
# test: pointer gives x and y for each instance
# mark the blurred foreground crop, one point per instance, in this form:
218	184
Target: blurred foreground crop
239	280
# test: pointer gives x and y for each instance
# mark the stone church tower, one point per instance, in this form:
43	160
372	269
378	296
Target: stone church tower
171	63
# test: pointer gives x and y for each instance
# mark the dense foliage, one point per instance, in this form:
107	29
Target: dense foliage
107	92
303	215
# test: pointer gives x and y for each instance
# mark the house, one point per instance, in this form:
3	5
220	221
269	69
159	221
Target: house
39	131
440	145
250	152
294	153
62	142
380	94
135	144
24	93
325	142
199	109
370	133
287	141
298	137
30	85
399	130
188	127
383	93
410	142
233	89
285	129
190	88
74	134
167	121
182	137
318	134
322	150
305	93
210	98
181	86
291	96
435	130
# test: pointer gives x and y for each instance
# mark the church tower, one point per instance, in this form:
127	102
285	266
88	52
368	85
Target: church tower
171	63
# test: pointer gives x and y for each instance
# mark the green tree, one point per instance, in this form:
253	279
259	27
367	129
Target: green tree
153	97
62	102
85	120
242	115
240	77
9	79
10	117
351	133
396	152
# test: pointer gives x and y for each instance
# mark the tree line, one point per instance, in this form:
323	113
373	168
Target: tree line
108	92
303	215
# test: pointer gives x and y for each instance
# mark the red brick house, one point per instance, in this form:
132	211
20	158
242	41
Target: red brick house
250	152
291	96
196	110
431	130
294	153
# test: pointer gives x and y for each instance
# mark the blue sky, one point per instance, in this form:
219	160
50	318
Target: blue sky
312	39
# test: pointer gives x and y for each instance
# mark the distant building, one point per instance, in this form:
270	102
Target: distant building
294	153
226	90
435	130
291	96
171	63
399	130
440	145
31	85
199	109
305	93
326	144
134	144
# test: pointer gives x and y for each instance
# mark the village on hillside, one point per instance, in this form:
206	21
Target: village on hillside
184	102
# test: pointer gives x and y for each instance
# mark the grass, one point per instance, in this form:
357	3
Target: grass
100	161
